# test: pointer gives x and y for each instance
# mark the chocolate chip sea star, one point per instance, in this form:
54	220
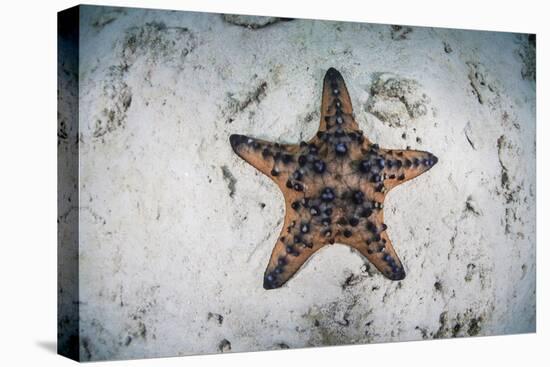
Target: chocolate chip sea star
334	187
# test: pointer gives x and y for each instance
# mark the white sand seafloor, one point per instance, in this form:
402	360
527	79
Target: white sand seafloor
176	230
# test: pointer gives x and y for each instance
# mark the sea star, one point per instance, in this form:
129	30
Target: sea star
334	187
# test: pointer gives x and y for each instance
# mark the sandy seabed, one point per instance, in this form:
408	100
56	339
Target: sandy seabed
176	230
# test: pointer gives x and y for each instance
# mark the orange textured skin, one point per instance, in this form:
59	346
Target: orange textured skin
334	187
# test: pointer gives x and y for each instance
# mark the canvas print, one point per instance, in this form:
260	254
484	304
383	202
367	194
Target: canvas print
234	183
